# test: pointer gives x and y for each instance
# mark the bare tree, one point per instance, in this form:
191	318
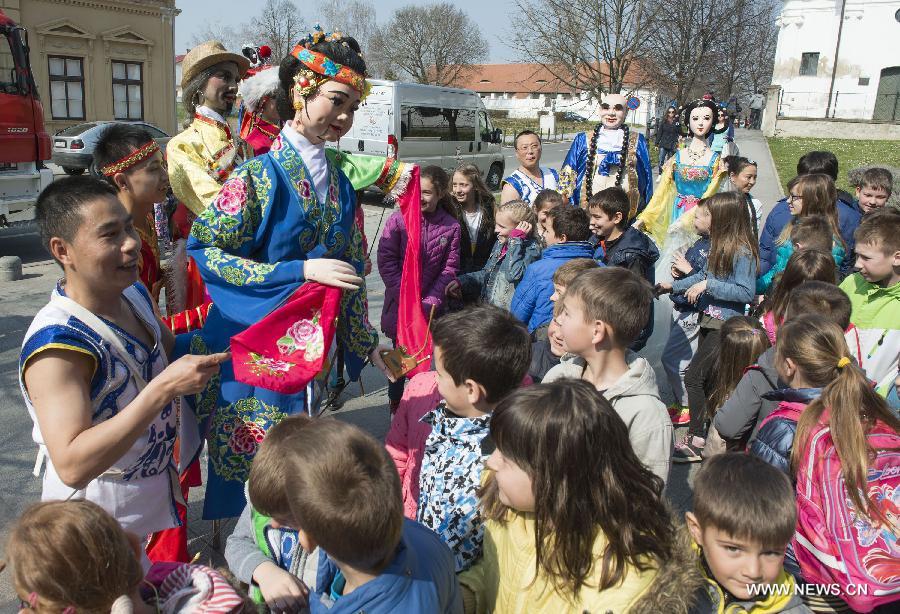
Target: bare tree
229	36
745	51
436	44
279	26
590	46
760	57
679	53
355	18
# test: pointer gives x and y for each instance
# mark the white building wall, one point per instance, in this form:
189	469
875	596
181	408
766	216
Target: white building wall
582	104
870	41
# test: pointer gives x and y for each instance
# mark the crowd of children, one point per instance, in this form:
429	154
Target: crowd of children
526	471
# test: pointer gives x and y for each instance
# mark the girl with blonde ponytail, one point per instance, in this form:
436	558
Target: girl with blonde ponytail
838	440
825	387
845	460
848	404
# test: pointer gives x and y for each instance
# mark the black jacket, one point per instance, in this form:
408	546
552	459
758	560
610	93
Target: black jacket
542	360
741	414
474	260
667	134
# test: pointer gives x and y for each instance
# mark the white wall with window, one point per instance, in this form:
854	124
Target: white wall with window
66	87
866	80
128	90
580	103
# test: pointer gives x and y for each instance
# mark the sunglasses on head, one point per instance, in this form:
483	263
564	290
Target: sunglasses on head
605	106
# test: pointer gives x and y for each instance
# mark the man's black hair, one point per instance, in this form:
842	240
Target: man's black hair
59	206
525	133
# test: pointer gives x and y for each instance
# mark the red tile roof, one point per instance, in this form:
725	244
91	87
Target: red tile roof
179	58
519	78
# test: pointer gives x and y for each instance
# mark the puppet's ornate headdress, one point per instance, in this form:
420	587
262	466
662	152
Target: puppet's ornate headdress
319	68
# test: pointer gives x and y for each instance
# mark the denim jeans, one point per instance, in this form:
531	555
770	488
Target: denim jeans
664	154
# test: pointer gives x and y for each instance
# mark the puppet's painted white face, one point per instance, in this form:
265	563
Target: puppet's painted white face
701	121
613	110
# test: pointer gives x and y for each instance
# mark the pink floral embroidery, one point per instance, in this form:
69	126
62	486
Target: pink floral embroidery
332	193
245	437
305	189
688	202
305	336
231	197
694	173
276	144
263	365
714	312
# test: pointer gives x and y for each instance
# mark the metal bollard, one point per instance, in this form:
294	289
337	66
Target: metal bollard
10	268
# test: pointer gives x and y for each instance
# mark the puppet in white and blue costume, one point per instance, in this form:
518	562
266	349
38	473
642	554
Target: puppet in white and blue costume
611	155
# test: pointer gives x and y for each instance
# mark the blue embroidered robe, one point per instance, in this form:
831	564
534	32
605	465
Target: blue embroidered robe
577	159
250	245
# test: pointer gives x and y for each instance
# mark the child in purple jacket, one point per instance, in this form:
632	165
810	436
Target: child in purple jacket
440	257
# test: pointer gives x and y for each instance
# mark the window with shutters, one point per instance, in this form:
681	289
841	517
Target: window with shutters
66	87
128	90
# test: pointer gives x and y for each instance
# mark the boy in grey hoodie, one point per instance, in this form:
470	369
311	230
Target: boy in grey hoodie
604	310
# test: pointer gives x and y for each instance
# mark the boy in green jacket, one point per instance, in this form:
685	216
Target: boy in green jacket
874	292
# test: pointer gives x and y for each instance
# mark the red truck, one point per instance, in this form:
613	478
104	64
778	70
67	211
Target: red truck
24	142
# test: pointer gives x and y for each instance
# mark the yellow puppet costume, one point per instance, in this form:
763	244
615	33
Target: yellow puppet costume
200	159
669	216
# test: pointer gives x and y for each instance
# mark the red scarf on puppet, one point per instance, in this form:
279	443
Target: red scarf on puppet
412	327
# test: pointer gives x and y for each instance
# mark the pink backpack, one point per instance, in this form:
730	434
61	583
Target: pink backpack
836	545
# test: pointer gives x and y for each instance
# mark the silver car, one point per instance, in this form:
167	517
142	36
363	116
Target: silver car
73	147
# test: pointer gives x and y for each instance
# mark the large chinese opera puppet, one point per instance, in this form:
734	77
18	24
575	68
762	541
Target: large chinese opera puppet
612	155
202	156
258	115
694	172
281	250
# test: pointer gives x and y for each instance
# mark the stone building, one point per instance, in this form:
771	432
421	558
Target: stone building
525	90
839	59
101	59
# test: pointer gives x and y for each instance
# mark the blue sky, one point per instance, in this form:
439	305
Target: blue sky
491	17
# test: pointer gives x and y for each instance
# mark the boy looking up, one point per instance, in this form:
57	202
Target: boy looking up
603	313
94	366
744	516
622	245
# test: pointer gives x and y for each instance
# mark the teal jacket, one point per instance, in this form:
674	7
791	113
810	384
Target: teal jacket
784	253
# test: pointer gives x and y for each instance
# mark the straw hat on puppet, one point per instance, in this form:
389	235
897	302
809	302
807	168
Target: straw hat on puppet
208	54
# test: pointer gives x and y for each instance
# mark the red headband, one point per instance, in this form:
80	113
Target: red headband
129	161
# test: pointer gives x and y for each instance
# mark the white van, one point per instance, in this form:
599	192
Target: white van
427	124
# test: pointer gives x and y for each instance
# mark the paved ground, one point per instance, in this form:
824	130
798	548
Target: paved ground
20	300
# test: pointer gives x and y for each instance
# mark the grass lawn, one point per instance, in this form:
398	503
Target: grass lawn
850	154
